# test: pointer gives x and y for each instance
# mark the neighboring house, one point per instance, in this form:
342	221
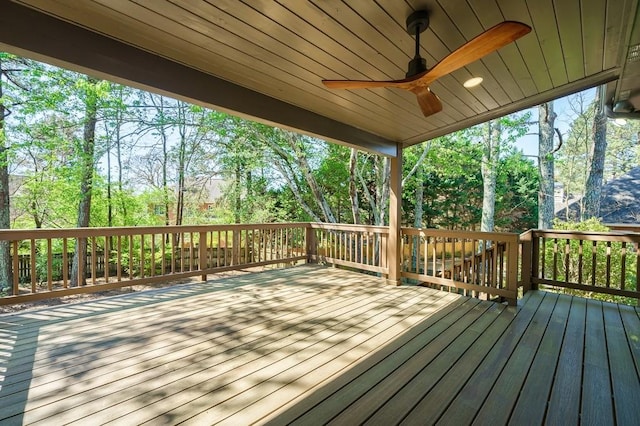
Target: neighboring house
207	195
620	201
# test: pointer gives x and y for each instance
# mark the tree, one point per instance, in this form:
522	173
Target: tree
593	186
290	153
492	135
546	195
496	136
572	160
90	93
5	217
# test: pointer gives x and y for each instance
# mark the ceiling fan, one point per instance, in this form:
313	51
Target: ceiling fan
418	77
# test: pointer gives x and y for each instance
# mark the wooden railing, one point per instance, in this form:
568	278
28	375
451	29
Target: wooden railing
475	263
595	262
140	255
360	247
480	264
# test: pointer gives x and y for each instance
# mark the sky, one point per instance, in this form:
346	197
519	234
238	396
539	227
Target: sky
528	144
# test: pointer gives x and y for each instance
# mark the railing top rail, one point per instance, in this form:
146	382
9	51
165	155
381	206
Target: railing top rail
348	227
619	236
26	234
477	235
626	227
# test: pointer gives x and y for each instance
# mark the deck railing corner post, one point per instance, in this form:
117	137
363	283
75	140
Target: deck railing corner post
526	259
311	244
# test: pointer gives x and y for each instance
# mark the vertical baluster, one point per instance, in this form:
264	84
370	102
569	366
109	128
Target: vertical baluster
163	253
181	246
453	259
483	271
541	254
142	260
16	268
82	257
434	249
94	261
34	272
130	256
119	259
107	255
555	259
580	260
443	258
419	250
494	260
255	235
246	246
191	252
608	270
263	241
173	253
65	264
49	266
463	262
594	251
474	267
218	250
153	254
567	252
623	264
425	255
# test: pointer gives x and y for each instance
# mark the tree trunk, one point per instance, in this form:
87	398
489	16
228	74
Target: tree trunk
353	189
417	220
86	183
237	194
546	196
490	154
593	189
5	217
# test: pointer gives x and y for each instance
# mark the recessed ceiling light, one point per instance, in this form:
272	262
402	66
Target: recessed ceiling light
472	82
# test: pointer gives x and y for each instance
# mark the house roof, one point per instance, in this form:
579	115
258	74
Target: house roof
266	59
620	201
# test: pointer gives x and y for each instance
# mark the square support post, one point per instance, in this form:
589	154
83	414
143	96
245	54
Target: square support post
394	256
311	244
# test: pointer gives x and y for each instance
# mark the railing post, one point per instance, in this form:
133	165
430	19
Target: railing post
512	268
535	259
526	270
202	254
394	253
311	244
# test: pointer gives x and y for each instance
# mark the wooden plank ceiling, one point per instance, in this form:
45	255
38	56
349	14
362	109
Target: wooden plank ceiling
283	49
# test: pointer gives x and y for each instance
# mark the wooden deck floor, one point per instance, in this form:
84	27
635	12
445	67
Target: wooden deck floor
312	345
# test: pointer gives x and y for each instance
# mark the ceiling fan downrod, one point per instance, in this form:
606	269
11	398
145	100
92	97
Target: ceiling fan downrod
417	22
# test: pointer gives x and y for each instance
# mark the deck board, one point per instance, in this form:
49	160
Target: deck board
597	404
315	345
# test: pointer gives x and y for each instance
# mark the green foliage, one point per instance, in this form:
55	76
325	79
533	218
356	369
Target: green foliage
595	256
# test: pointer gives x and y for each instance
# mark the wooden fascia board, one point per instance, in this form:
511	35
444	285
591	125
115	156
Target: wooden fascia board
30	33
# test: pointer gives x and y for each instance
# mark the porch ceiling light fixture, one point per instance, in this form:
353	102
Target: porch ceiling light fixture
472	82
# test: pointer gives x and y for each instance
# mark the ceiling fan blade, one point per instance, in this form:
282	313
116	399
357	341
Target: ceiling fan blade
428	101
488	42
362	84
